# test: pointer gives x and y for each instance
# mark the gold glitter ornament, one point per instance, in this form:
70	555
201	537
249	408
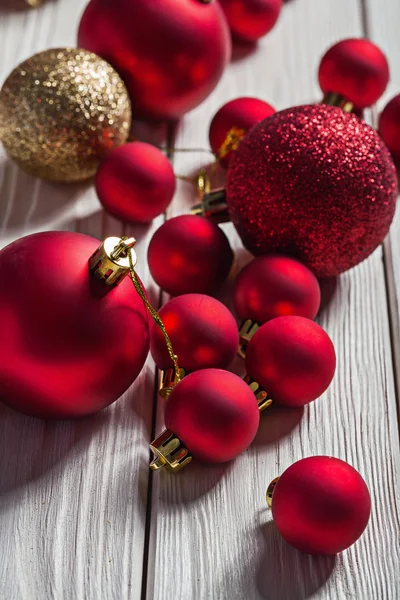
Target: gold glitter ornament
61	111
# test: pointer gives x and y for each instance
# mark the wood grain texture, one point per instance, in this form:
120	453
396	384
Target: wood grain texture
211	534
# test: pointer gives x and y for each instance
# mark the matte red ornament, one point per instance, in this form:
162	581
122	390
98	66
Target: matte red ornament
292	359
135	182
355	69
189	254
170	54
202	331
214	413
389	127
321	505
275	286
64	351
249	20
312	182
231	123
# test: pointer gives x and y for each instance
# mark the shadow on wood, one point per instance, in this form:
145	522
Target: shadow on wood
276	423
328	290
241	50
284	573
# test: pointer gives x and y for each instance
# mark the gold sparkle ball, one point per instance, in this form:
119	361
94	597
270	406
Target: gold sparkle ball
61	111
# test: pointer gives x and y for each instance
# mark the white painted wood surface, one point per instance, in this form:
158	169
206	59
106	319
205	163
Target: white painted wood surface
77	502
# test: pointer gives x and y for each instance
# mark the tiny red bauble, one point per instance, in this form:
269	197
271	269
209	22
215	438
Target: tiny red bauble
232	121
355	69
135	182
202	331
321	505
275	286
389	127
64	351
214	413
313	182
249	20
189	254
170	54
291	358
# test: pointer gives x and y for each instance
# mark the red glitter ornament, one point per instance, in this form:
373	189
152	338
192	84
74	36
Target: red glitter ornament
202	331
292	359
232	121
275	286
313	182
321	505
65	352
214	413
389	127
135	182
249	20
171	55
355	69
189	254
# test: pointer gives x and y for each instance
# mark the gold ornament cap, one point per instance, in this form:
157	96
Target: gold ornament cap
169	378
170	453
110	262
213	206
261	395
270	491
332	99
247	329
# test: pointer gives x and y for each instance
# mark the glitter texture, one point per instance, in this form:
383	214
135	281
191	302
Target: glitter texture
61	111
313	182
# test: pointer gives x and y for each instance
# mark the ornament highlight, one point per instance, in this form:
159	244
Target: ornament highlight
320	505
211	415
389	127
61	112
170	55
312	182
135	182
249	20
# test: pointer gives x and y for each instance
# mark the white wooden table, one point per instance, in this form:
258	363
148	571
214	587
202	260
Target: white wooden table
81	515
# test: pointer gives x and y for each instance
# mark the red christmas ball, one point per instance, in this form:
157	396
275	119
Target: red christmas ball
135	182
293	359
189	254
249	20
275	286
171	55
202	330
389	127
64	351
232	121
313	182
214	413
355	69
321	505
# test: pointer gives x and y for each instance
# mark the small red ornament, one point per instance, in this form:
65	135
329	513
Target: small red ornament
64	351
320	505
292	359
249	20
389	127
214	413
170	55
313	182
135	182
189	254
231	123
202	331
275	286
355	69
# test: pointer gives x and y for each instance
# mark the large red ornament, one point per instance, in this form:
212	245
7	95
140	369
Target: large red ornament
189	254
249	20
232	122
275	286
321	505
170	54
313	182
214	413
389	127
202	331
64	351
135	182
355	69
292	359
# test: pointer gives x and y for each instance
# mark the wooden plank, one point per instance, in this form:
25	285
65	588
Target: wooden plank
211	534
73	495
